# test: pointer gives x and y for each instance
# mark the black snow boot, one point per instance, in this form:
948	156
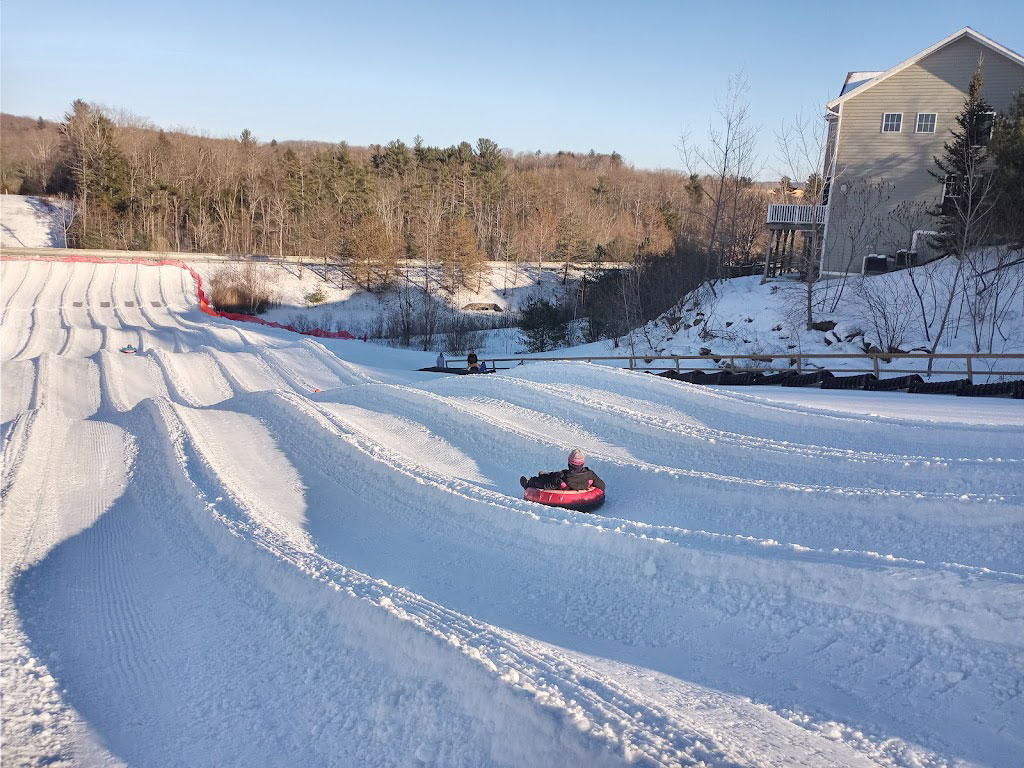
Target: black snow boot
523	481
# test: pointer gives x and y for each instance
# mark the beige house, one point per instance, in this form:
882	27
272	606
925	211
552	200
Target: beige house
884	129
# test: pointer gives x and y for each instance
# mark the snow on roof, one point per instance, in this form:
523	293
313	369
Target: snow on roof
852	87
857	79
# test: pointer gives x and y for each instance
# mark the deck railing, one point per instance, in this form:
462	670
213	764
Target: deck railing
796	214
879	363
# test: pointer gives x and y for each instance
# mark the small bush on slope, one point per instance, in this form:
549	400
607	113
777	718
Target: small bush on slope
240	289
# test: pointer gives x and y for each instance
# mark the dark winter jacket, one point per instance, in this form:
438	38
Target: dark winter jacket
471	360
567	480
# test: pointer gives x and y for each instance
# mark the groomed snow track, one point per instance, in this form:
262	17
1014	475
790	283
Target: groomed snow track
206	561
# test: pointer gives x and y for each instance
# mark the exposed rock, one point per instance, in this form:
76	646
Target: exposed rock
823	325
705	351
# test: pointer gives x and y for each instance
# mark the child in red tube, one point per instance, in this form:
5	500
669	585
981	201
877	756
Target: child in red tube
576	477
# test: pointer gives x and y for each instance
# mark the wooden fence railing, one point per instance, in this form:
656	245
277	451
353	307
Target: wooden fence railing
878	363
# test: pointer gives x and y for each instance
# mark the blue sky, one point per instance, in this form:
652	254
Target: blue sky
530	75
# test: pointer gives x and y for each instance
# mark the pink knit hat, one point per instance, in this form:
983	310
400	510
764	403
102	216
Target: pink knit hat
576	458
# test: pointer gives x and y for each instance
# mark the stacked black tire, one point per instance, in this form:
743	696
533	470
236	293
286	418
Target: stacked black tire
865	381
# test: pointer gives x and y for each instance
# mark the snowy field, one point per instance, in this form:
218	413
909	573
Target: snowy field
243	546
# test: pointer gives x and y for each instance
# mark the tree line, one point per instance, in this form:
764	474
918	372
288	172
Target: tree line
133	186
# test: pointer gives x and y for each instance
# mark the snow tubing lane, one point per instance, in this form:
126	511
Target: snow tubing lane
204	305
579	501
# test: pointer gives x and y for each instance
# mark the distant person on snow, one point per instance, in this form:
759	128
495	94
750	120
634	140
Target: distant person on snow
472	363
483	366
440	361
576	478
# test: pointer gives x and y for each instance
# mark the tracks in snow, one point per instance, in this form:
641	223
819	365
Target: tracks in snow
331	567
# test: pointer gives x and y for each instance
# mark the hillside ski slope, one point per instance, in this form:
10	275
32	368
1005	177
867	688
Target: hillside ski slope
30	222
243	546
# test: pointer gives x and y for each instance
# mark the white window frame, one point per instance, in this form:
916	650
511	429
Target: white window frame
899	126
991	129
935	121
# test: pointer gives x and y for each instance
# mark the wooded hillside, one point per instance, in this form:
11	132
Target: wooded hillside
133	186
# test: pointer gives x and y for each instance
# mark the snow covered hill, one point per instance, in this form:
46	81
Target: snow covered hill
242	546
30	222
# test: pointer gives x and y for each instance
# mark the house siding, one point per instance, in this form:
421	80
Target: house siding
884	170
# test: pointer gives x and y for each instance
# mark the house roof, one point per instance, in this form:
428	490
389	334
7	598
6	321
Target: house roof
857	79
855	84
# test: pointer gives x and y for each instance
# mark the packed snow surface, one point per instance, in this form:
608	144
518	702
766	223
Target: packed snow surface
30	222
242	546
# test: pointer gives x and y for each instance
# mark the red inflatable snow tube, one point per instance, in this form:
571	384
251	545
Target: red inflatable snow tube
579	501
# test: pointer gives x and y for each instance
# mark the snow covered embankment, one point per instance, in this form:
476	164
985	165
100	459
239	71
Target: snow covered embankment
899	311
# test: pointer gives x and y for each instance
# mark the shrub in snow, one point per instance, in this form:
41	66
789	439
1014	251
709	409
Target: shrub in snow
242	289
301	322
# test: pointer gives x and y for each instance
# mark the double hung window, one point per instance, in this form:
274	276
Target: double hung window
925	122
892	122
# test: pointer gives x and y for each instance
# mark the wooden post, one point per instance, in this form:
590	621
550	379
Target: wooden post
677	363
764	277
874	361
970	370
799	359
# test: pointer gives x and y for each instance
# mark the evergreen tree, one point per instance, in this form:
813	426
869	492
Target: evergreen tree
1008	156
98	176
571	245
461	258
966	174
545	325
370	251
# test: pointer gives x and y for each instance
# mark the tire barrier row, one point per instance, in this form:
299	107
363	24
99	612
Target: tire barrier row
204	304
859	381
868	382
893	384
807	379
938	387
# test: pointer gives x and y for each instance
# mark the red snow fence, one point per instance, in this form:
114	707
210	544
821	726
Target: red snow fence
204	305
